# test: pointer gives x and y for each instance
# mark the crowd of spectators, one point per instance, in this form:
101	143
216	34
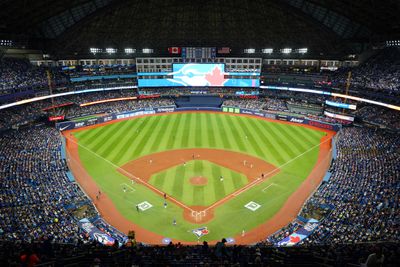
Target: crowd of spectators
379	73
91	254
380	115
19	75
118	106
275	105
98	70
362	191
30	112
35	193
284	232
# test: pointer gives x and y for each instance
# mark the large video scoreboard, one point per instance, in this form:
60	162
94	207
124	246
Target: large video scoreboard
198	74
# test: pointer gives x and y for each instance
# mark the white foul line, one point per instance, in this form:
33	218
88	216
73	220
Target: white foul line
130	175
257	181
267	187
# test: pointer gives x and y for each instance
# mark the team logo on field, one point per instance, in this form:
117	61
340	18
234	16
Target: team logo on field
199	232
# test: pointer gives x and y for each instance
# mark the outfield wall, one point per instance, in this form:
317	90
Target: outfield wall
69	125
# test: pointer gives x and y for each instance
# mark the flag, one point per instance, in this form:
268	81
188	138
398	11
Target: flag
224	50
174	50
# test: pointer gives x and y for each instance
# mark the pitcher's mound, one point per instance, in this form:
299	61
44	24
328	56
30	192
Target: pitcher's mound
198	180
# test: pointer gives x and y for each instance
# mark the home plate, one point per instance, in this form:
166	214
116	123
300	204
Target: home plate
253	206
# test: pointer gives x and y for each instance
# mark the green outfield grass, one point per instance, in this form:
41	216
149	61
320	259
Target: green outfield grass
292	148
175	182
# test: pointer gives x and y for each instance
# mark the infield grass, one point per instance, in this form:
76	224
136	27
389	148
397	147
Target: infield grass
175	182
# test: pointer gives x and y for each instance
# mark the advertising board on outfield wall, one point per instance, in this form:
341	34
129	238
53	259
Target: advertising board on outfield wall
69	125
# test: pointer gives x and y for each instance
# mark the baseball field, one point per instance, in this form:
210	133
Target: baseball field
198	175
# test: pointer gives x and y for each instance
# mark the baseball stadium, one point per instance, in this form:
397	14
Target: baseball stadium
199	133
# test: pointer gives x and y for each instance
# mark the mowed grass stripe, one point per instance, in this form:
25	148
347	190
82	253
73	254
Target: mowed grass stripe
292	138
133	132
166	134
187	188
152	136
216	133
229	133
105	137
204	131
186	133
306	139
198	133
198	191
180	131
126	143
172	135
115	139
241	135
285	145
227	181
235	132
193	132
209	196
145	136
270	147
88	135
125	154
100	136
157	136
313	133
267	143
159	180
279	143
177	187
219	188
249	130
237	180
224	138
211	136
169	181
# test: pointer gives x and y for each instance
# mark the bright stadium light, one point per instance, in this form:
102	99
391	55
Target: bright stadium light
130	51
267	50
286	50
302	50
94	50
6	43
249	51
393	43
111	50
147	50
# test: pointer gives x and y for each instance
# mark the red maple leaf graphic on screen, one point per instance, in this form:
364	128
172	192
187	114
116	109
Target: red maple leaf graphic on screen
295	239
216	78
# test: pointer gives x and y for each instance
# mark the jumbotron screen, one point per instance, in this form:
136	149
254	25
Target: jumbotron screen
192	75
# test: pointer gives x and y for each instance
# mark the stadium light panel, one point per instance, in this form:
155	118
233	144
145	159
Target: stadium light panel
94	50
147	50
286	50
268	50
6	43
302	50
249	51
130	51
111	50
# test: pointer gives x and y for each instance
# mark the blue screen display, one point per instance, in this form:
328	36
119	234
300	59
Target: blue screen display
193	75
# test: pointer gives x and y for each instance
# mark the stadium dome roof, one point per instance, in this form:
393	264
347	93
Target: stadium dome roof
71	26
